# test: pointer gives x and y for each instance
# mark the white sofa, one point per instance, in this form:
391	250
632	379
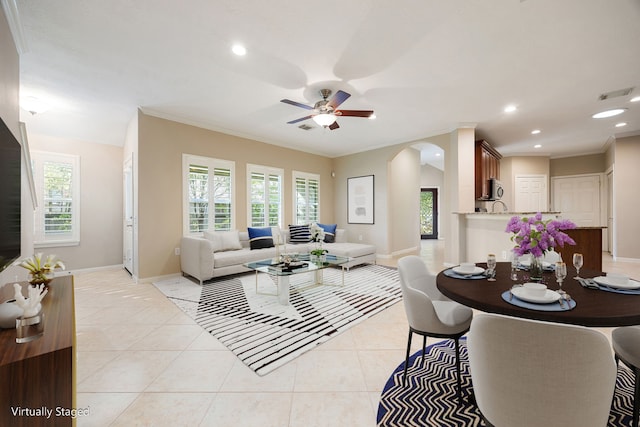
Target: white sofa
199	260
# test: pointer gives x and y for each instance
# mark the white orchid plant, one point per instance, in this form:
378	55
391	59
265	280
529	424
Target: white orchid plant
317	235
38	266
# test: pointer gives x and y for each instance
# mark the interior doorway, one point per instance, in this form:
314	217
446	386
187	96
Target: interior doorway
127	214
429	213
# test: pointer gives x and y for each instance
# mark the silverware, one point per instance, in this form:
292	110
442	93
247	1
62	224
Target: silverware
561	303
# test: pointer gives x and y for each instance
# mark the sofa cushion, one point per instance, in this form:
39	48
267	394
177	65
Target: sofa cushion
223	240
299	234
329	232
260	238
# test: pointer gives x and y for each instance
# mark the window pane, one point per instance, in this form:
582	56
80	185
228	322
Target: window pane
57	209
275	196
222	198
307	199
198	198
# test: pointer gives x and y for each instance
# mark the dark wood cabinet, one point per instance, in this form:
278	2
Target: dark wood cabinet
588	243
41	373
487	165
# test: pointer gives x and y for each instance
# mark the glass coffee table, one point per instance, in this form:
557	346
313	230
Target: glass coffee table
302	263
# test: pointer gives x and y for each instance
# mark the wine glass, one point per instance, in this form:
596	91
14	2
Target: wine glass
491	267
578	259
561	273
514	265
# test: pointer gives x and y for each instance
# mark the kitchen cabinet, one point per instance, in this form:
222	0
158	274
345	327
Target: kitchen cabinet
487	165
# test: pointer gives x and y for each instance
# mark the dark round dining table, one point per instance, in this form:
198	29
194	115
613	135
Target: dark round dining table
594	308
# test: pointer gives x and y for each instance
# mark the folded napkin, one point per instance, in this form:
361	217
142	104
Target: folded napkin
451	273
592	284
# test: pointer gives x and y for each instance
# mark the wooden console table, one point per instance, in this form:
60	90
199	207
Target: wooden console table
588	243
41	373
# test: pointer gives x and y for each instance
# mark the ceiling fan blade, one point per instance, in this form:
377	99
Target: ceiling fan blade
338	99
333	126
296	104
353	113
299	120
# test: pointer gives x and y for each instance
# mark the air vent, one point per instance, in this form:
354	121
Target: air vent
615	93
305	127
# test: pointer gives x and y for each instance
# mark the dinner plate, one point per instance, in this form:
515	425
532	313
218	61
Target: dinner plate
476	271
603	280
549	296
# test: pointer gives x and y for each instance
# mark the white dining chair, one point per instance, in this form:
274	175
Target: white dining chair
626	345
529	373
429	312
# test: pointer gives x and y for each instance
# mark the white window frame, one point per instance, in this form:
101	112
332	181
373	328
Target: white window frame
211	164
40	238
307	177
267	172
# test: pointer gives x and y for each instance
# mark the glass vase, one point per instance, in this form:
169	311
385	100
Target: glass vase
535	270
40	278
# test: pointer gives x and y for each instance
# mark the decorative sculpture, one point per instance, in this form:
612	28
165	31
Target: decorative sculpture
31	305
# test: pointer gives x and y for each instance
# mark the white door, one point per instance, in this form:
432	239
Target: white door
127	250
578	198
531	193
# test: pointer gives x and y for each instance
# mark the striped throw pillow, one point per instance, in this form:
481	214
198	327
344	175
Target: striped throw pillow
299	234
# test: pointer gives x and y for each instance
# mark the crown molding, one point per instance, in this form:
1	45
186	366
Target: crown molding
15	25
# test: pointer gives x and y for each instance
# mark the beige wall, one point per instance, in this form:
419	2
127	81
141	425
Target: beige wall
100	202
161	144
431	177
594	163
377	163
404	202
626	177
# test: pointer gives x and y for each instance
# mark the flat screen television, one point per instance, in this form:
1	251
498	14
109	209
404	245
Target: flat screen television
10	181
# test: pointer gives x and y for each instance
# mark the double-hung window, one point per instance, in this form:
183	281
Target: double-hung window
57	182
306	197
208	194
265	196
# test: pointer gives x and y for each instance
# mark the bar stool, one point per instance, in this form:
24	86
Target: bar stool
626	345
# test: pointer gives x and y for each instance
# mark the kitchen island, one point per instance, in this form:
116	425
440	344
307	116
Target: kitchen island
482	233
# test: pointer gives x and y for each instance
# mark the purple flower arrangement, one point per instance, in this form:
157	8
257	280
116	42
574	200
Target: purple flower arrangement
535	236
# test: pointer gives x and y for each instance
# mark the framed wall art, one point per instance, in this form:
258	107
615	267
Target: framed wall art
360	200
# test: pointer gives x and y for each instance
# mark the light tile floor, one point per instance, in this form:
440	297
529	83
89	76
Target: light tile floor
141	361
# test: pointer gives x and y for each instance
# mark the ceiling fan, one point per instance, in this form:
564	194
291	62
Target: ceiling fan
325	111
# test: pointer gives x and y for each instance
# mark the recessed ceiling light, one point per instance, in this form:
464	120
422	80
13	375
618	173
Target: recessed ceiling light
635	99
239	50
535	131
609	113
619	125
372	117
437	154
537	146
510	108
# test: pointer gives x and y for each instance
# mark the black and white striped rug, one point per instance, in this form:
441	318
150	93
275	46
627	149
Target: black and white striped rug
430	396
265	334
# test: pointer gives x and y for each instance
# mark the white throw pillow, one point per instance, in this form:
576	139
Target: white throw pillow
224	240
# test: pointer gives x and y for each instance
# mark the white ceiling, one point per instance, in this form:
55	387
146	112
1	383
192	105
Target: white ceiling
424	66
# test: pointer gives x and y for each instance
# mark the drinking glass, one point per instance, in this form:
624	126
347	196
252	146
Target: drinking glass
577	263
514	266
561	273
491	267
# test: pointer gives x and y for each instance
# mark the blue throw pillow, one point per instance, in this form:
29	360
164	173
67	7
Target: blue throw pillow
299	234
329	232
260	238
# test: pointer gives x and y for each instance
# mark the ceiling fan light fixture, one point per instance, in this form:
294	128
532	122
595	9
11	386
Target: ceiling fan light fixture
324	119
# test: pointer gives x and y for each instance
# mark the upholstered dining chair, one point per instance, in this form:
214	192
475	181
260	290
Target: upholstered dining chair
626	346
529	373
430	313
